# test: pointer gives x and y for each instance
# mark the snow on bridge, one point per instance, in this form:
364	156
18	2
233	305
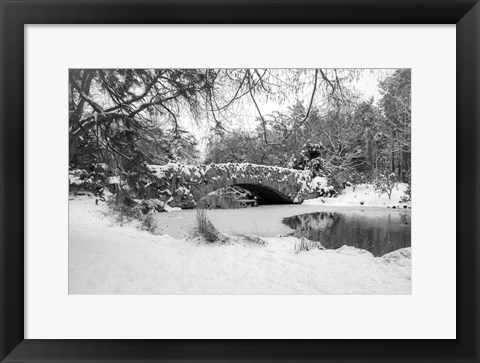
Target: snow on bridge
183	185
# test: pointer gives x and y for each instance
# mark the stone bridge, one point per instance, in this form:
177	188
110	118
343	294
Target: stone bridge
183	185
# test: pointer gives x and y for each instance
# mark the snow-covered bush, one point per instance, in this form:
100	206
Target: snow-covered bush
149	224
152	206
79	179
328	192
385	184
125	207
318	182
310	159
94	178
320	185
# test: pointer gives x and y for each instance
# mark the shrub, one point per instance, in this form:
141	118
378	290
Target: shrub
385	184
309	158
336	181
407	197
149	223
338	178
124	206
93	178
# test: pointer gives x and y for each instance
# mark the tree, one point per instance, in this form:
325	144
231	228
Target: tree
371	139
129	118
126	117
396	106
236	147
123	117
385	184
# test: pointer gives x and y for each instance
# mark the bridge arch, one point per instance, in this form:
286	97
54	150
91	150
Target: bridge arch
184	185
266	194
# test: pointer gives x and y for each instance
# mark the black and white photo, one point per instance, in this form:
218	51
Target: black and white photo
240	181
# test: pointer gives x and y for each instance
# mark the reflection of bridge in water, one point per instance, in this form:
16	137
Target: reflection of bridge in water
184	185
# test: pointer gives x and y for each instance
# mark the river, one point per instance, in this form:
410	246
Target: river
378	230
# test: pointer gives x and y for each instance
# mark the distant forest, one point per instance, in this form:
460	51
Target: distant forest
127	119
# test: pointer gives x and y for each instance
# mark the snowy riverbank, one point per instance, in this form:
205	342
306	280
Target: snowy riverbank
105	258
364	195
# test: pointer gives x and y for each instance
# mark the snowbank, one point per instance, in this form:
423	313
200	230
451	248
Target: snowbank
105	258
365	195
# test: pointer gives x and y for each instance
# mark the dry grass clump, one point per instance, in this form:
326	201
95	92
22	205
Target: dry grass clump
149	224
252	238
307	245
205	228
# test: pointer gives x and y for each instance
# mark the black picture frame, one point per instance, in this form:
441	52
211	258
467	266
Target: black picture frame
16	14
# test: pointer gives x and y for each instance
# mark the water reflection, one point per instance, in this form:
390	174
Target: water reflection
377	231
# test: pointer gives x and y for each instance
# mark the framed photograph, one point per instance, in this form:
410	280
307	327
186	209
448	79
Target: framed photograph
239	181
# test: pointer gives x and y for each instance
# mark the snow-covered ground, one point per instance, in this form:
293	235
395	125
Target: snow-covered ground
364	195
105	258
